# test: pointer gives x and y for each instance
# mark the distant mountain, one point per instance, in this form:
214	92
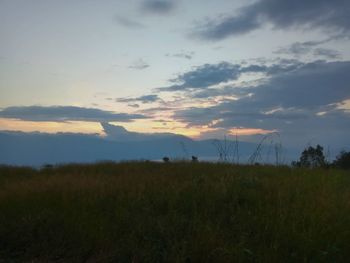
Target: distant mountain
36	149
119	133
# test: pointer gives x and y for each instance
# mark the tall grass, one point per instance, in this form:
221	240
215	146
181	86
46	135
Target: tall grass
174	212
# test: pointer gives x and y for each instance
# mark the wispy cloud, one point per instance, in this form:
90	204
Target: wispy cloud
310	47
327	53
142	99
159	7
128	22
182	54
299	48
139	64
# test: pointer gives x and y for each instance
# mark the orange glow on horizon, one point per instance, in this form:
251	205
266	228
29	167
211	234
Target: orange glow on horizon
249	131
141	126
153	126
50	127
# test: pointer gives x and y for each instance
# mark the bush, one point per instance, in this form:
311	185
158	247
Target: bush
343	160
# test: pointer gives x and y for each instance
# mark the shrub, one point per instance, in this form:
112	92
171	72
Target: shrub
342	160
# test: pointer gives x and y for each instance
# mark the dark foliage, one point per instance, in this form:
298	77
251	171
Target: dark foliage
311	157
343	160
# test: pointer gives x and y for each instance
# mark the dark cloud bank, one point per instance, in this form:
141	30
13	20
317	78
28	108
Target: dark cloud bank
332	16
65	113
208	75
301	100
204	76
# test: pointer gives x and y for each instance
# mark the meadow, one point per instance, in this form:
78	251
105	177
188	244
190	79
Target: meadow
174	212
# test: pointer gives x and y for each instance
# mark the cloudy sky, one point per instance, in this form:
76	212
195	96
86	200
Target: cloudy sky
201	68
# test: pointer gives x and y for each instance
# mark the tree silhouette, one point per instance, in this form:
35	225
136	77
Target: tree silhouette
312	157
342	160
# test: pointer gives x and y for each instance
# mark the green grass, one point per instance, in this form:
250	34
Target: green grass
174	212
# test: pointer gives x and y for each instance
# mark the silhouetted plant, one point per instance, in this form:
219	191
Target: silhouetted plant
271	142
166	159
342	160
194	159
311	157
225	149
47	166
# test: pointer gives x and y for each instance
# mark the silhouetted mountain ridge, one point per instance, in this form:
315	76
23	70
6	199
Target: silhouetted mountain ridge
20	148
119	133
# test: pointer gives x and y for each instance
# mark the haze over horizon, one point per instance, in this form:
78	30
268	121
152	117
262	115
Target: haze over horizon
196	68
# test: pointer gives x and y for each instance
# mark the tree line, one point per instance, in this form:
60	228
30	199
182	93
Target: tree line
314	157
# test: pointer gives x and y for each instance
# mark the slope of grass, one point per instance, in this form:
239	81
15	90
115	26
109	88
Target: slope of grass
174	212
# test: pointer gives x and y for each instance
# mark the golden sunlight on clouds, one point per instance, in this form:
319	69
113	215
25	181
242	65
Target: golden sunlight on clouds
344	105
160	126
142	126
50	127
249	131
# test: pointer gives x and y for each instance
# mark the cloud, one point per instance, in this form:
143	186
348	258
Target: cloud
144	99
212	93
207	75
134	105
65	113
183	54
155	110
299	48
129	23
119	133
309	86
327	53
310	47
329	15
301	103
139	64
158	7
229	25
314	84
204	76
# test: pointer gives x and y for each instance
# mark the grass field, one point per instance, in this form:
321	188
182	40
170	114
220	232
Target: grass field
174	212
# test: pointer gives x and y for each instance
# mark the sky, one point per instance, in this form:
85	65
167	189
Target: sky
200	68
